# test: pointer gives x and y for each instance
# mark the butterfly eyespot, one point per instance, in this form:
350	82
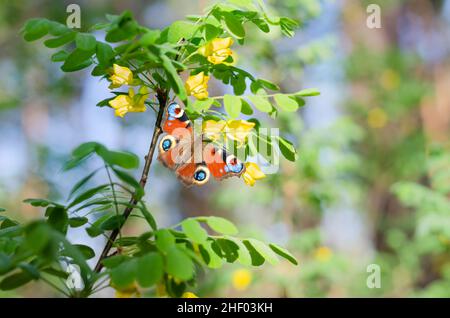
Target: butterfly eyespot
167	143
175	110
201	175
234	164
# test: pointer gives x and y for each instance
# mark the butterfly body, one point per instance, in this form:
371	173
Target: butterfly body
193	159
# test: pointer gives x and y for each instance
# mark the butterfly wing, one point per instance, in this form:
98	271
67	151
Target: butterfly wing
177	127
192	159
221	164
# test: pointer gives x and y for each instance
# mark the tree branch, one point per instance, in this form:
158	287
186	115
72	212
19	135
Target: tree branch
162	100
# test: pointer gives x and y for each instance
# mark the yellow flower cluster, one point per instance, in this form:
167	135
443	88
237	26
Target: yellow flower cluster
217	50
197	85
130	102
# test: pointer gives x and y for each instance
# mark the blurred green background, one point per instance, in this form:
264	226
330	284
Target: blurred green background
372	183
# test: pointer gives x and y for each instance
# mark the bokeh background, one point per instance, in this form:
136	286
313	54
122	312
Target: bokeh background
372	182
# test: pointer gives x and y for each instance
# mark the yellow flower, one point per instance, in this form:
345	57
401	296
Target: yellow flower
189	295
377	118
390	79
252	173
323	254
130	103
241	279
217	50
237	130
127	292
122	76
197	85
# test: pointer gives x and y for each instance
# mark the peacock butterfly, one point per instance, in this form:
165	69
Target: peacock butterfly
193	158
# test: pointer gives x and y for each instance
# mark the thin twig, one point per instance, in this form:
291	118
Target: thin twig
162	99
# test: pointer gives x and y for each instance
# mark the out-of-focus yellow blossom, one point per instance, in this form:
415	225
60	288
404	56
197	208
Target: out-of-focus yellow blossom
217	50
237	130
390	79
323	254
197	85
377	118
131	102
252	173
189	295
128	292
241	279
121	76
161	290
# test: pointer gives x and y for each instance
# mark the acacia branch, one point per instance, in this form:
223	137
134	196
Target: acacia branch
161	95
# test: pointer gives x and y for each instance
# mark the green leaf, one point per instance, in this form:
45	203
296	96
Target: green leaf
81	183
37	237
243	254
87	195
149	37
85	149
202	105
59	56
164	240
87	252
128	179
124	274
261	103
211	32
35	29
57	218
265	251
179	264
61	40
269	85
286	102
246	108
308	92
114	261
283	253
256	258
233	25
287	149
150	269
38	202
32	270
78	221
126	160
175	81
221	225
194	231
85	41
15	280
148	217
180	30
232	105
6	263
112	223
211	258
2	210
105	54
56	272
77	60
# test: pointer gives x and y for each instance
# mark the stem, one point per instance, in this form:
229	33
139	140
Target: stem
162	100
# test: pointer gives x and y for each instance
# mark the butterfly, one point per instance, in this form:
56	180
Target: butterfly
193	158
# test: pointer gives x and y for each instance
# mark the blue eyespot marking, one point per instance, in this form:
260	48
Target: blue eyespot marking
166	144
200	175
174	110
236	168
